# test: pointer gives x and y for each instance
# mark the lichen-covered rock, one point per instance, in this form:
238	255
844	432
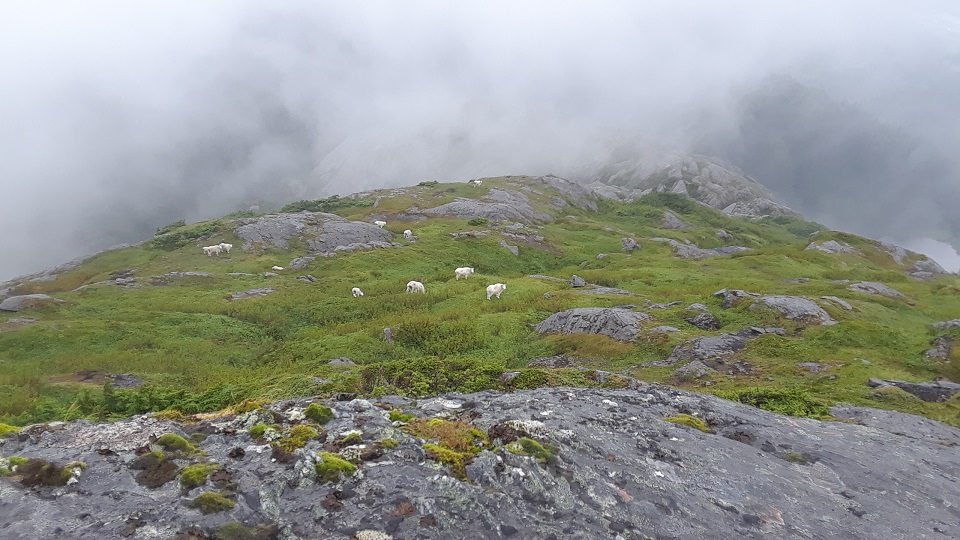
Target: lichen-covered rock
252	293
796	308
694	370
873	287
28	302
732	297
629	244
947	325
672	221
577	281
942	349
607	461
704	320
300	263
839	301
620	324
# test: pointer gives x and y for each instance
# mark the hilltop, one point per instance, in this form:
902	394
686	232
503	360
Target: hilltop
159	326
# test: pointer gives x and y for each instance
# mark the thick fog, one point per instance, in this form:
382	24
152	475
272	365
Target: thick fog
119	117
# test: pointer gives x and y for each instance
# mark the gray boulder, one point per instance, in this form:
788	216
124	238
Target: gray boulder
724	235
930	391
942	349
512	249
672	221
690	250
732	297
27	302
929	266
947	325
552	362
832	246
842	303
252	293
630	244
796	308
577	281
707	348
308	279
497	205
300	263
320	231
704	320
342	361
873	287
693	370
620	324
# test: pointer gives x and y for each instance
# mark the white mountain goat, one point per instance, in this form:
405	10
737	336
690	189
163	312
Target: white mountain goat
416	286
277	268
476	182
226	247
463	272
408	234
380	224
495	289
210	250
356	292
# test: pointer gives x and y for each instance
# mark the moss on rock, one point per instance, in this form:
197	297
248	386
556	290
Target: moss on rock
689	421
320	414
331	466
212	502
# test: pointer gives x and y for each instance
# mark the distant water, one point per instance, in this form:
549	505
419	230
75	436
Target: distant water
941	252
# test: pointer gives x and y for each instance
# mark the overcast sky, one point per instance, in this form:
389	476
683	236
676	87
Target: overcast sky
118	117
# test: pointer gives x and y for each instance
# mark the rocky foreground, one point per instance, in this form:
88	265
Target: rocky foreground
547	463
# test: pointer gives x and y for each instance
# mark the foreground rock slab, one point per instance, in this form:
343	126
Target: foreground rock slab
618	470
28	301
620	324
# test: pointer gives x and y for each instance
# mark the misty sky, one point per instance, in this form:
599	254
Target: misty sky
119	117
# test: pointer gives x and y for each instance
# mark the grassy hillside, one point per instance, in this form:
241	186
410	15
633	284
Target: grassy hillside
198	350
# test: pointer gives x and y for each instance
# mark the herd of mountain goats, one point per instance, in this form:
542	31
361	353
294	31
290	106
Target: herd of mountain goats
412	287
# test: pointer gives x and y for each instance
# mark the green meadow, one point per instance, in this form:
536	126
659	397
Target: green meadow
197	350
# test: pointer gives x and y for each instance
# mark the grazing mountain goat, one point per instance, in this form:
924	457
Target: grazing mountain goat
463	272
408	234
416	286
277	268
356	292
476	182
380	224
495	289
210	250
226	247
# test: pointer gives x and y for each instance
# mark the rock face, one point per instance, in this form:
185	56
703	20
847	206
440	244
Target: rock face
931	391
577	281
620	324
630	244
671	221
27	302
796	308
947	325
321	232
873	287
615	469
692	251
708	347
252	293
732	297
704	179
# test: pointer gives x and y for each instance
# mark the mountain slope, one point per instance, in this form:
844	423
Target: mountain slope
202	333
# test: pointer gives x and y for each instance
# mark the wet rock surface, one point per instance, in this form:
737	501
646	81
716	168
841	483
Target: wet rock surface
620	324
615	469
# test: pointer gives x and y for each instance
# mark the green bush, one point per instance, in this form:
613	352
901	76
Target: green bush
788	401
7	429
167	228
331	203
429	183
477	222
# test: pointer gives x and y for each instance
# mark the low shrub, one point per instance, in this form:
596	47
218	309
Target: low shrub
788	401
320	414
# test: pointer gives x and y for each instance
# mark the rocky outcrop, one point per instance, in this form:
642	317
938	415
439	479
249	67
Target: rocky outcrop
929	391
701	317
711	348
300	263
796	309
320	231
839	301
611	466
497	205
689	250
705	179
28	302
832	246
947	325
252	293
873	287
732	297
629	244
620	324
577	281
672	221
942	349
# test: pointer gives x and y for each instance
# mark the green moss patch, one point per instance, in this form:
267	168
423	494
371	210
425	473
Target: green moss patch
690	421
529	447
297	437
331	467
788	401
452	434
7	429
457	461
212	502
196	475
320	414
175	443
